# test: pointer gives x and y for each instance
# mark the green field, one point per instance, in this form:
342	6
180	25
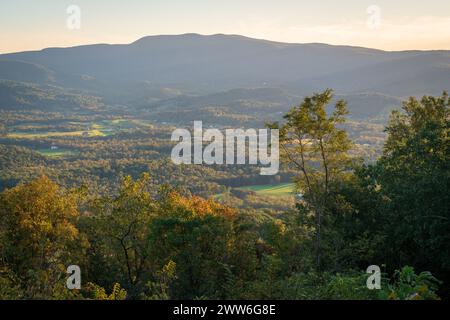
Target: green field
284	189
116	122
59	153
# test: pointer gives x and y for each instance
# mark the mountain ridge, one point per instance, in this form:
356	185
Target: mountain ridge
194	64
149	37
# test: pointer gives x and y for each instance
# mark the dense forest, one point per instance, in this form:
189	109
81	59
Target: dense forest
99	191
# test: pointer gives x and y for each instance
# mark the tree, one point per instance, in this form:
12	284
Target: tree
413	176
312	142
38	235
118	230
396	212
198	236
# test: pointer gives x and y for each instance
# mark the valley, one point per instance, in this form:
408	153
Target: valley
87	174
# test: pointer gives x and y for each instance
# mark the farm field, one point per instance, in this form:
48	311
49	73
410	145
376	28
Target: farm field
58	153
283	189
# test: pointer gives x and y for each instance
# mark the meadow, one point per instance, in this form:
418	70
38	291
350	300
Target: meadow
56	153
283	189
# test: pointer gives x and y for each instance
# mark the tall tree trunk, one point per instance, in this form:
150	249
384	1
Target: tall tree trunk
318	237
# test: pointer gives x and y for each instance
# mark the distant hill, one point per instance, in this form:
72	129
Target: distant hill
26	96
195	73
222	62
25	72
419	74
370	106
257	105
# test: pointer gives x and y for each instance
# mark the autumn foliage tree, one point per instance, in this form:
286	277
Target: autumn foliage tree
198	236
38	233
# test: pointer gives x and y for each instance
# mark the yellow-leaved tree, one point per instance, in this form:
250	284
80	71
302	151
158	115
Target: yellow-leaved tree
39	237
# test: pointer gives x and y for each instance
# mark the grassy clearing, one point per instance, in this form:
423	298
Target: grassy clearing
267	190
116	122
284	189
59	153
111	127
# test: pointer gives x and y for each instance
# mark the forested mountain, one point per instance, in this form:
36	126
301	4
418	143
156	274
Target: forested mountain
220	62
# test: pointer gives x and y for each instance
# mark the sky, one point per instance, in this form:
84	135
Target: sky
381	24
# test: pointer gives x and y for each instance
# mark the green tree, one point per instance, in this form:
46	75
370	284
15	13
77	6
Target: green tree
396	211
118	228
312	142
413	176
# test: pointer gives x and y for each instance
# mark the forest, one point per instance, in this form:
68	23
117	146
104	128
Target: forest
97	190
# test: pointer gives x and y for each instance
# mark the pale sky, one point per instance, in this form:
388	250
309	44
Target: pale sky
400	24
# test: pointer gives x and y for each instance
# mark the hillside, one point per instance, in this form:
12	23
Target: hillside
28	96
